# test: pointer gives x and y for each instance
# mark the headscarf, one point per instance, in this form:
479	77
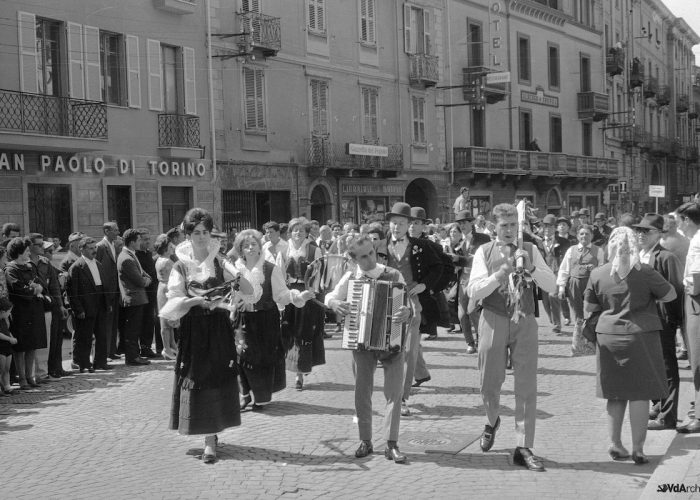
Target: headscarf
623	252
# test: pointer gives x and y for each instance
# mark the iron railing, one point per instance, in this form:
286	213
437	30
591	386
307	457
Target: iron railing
51	115
424	69
323	153
179	131
682	103
615	62
591	103
635	136
651	87
663	96
516	162
263	32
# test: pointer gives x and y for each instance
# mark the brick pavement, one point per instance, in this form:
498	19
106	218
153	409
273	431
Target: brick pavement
104	435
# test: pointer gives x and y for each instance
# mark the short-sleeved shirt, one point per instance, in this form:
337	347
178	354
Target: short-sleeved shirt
630	305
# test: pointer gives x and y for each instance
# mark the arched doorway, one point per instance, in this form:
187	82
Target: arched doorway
655	176
321	207
552	203
422	193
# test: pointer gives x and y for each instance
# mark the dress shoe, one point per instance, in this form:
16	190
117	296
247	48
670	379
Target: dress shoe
74	365
618	453
431	337
567	322
55	375
450	329
103	367
489	435
639	458
149	354
364	449
471	348
137	362
245	401
420	381
114	357
65	373
391	452
660	425
257	407
25	387
682	355
690	428
405	412
33	382
524	457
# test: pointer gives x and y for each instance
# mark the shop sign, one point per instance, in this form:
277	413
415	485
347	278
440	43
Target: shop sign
539	97
370	189
367	150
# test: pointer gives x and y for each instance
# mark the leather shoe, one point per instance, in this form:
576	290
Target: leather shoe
364	449
54	374
149	354
74	365
524	457
420	381
660	425
137	362
393	453
431	337
471	348
405	412
114	357
690	428
65	373
489	435
103	367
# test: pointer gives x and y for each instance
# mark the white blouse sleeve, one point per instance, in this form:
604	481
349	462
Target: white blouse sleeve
255	279
175	307
281	294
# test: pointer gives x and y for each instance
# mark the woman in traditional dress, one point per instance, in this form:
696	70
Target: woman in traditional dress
164	264
453	246
205	395
258	339
302	329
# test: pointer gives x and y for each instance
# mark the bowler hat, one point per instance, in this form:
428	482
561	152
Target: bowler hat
564	220
549	219
600	216
651	221
400	209
574	214
465	215
584	212
419	213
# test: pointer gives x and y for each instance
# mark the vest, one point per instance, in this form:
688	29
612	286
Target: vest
266	301
550	258
296	267
404	265
583	261
497	302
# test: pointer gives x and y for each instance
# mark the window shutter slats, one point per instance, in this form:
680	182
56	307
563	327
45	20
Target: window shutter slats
426	32
407	29
76	72
26	33
133	71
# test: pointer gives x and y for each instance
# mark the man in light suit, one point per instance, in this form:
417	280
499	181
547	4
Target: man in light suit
86	295
107	256
132	286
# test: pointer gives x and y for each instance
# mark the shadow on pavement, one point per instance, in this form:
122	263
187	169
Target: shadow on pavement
439	412
285	408
551	371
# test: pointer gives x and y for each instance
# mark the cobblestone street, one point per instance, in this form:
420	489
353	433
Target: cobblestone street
104	435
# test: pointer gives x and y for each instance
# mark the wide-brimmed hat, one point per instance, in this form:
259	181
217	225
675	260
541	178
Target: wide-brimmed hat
651	221
564	220
549	219
465	215
400	209
418	213
600	216
584	211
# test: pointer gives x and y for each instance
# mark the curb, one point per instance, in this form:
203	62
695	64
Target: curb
679	466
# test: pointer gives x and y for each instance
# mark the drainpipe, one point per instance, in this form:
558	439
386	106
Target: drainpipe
449	150
210	82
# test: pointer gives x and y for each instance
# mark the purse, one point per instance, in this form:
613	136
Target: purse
589	326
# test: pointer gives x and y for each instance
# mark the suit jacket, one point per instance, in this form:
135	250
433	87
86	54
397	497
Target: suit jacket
561	245
600	238
109	267
668	266
465	257
426	265
132	279
83	294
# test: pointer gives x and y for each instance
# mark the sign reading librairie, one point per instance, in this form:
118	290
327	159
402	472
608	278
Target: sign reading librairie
367	150
657	191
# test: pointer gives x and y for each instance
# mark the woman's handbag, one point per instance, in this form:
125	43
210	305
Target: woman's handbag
589	325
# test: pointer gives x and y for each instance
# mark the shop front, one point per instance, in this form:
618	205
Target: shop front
364	200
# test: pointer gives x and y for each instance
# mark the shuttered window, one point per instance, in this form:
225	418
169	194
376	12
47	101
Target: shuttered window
133	70
254	83
317	16
418	118
319	107
250	5
370	110
111	72
416	30
367	22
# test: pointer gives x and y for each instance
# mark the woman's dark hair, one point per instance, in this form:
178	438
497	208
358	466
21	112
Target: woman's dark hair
17	246
197	216
161	245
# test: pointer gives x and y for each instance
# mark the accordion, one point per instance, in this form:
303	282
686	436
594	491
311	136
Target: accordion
368	325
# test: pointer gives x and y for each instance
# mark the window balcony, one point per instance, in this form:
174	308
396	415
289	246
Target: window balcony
636	74
24	115
694	111
682	103
178	136
591	105
635	137
651	87
423	70
475	86
374	160
263	33
515	162
176	6
663	96
615	62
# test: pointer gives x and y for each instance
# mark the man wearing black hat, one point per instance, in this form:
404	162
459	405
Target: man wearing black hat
601	230
649	232
553	248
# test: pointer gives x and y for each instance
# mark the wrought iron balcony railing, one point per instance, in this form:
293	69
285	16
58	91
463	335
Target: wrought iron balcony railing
591	104
423	70
651	87
50	115
663	96
635	136
682	103
264	33
178	131
515	162
661	146
323	153
636	74
474	77
615	62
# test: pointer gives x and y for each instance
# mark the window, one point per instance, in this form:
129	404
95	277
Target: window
585	73
319	108
478	127
250	5
111	64
49	207
418	118
245	208
370	114
48	45
254	83
583	11
587	139
170	70
416	30
525	129
553	65
475	47
555	142
524	59
367	22
317	16
176	202
119	206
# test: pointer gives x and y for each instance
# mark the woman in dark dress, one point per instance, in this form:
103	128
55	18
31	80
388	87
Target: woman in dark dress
302	329
258	339
205	395
629	356
28	325
6	338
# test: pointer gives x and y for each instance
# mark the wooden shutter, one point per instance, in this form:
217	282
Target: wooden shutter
190	76
133	71
93	86
407	39
253	80
426	32
76	70
319	106
250	5
320	16
260	98
26	33
155	76
312	15
367	21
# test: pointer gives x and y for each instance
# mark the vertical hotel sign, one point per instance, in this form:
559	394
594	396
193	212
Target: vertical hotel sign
498	49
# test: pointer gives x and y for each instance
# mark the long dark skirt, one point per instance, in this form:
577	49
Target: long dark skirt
302	332
261	365
205	393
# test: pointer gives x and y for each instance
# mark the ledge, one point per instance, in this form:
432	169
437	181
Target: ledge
176	6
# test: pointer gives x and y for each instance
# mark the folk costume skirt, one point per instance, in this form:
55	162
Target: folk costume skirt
302	332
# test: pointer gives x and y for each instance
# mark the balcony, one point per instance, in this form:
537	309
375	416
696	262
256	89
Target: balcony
514	162
651	87
474	77
176	6
263	34
423	70
692	115
636	74
615	62
636	137
178	136
24	115
382	161
663	96
592	105
661	146
682	103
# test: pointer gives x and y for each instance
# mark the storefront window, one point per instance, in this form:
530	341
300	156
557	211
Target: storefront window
480	205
